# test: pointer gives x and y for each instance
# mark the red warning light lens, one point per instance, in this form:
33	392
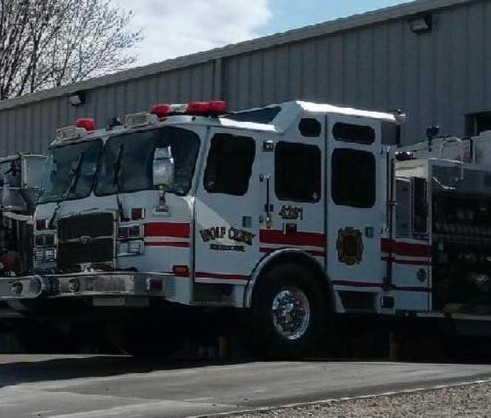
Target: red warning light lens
216	107
87	123
161	110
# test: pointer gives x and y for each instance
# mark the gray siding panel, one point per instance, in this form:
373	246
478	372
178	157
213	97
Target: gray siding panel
458	68
321	66
364	76
336	68
378	51
487	54
269	76
310	82
351	84
295	75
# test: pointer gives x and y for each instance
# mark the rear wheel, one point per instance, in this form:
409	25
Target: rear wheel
289	313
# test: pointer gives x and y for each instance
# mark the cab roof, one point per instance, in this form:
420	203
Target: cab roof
276	118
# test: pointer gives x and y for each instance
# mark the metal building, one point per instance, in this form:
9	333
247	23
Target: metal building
430	58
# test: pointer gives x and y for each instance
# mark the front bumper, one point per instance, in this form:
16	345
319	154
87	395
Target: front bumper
79	285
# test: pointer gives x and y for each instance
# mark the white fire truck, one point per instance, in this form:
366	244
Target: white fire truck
292	214
19	188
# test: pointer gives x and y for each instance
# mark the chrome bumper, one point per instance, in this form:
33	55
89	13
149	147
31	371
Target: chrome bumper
87	284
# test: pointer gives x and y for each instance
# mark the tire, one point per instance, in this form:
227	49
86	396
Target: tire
289	315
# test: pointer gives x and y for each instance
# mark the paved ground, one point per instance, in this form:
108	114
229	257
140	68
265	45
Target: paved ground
90	387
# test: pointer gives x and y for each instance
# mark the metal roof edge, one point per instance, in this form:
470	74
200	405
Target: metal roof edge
295	35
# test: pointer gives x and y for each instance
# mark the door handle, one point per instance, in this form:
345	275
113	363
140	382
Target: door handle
268	207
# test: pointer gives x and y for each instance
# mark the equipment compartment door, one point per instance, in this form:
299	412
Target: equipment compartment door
355	211
227	218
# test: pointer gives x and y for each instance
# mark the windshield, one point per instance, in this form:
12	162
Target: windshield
70	171
127	162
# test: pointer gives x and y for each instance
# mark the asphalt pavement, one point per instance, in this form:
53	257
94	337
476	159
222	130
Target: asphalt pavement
108	386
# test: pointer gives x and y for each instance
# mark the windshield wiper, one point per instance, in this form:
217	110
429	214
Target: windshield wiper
70	185
118	181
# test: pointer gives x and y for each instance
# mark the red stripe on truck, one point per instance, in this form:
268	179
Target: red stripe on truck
202	275
406	248
394	287
313	239
168	244
266	250
167	229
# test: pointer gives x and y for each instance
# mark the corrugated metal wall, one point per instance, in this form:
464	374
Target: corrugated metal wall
33	126
437	77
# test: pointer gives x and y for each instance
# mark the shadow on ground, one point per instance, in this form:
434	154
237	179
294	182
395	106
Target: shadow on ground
17	369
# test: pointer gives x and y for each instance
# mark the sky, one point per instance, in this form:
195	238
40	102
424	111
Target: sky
174	28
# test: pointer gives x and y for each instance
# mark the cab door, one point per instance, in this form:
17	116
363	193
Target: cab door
292	197
226	210
355	208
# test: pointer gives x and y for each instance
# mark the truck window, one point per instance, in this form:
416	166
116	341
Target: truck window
353	178
135	151
403	208
349	132
420	211
297	172
70	171
310	128
229	165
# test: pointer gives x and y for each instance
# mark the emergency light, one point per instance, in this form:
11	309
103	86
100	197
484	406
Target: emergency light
70	132
217	107
211	108
139	120
161	110
87	123
79	129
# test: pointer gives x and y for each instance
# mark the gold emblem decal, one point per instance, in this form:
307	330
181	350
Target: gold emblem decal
350	246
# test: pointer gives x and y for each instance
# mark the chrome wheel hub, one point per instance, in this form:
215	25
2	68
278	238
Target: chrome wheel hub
291	313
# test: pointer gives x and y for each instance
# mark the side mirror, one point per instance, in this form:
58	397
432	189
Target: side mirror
163	168
14	170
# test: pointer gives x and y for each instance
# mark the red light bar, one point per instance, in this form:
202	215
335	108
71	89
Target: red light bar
216	107
161	110
87	123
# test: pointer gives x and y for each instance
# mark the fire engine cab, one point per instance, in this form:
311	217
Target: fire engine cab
292	213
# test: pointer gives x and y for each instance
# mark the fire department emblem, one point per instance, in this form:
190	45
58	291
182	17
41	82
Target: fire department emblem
350	246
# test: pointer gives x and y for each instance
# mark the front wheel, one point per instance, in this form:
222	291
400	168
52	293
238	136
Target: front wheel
289	313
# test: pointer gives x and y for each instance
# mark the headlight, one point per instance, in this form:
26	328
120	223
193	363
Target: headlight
39	256
73	285
17	288
35	286
45	240
46	255
134	247
49	254
130	232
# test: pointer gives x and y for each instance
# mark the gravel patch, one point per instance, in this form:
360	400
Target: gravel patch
461	401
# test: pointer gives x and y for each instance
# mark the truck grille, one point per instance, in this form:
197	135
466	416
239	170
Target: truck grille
85	239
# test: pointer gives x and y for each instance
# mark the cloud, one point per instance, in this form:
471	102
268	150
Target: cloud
175	28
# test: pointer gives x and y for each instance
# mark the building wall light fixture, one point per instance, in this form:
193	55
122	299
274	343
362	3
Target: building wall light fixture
421	23
77	98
